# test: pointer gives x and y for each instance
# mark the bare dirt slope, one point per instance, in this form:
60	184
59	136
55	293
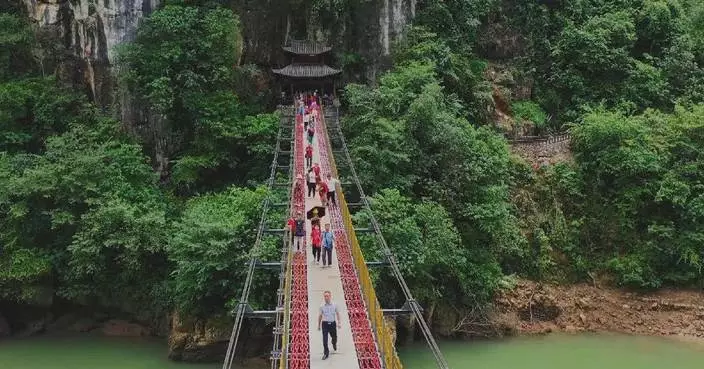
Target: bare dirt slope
540	308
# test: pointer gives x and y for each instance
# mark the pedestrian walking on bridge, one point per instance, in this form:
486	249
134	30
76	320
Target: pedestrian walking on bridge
309	156
300	231
315	241
329	321
312	181
311	133
332	186
328	243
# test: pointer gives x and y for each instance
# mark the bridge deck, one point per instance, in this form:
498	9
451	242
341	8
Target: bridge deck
320	280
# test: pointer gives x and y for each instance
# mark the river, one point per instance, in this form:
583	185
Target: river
548	352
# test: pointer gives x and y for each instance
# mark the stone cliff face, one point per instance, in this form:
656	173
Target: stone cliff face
92	28
89	30
368	29
393	18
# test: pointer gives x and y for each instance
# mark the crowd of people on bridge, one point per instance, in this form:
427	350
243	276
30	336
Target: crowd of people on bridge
308	119
326	98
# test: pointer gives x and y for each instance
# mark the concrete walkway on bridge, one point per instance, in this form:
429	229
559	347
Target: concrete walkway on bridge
326	279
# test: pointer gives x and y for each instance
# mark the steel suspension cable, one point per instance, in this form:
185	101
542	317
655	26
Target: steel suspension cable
280	337
242	305
396	270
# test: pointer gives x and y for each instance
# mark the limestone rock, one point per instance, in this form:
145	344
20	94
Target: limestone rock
122	328
197	341
84	325
4	327
94	28
33	328
86	33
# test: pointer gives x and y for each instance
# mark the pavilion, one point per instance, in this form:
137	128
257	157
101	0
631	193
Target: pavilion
307	70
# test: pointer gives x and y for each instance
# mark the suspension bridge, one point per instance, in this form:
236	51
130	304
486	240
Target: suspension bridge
364	338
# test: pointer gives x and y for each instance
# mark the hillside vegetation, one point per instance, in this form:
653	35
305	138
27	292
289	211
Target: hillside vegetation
94	212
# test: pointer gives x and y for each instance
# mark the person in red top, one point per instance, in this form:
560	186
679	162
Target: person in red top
316	240
298	194
323	191
292	227
316	171
309	156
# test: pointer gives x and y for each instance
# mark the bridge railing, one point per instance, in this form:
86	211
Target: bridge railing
283	362
285	337
382	330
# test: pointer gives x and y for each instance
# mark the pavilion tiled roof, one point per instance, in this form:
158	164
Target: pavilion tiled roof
307	71
307	48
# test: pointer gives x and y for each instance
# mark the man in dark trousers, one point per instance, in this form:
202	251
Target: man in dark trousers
309	156
312	181
329	321
328	242
300	231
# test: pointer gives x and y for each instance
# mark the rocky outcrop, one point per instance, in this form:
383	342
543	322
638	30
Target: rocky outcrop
88	31
123	328
73	323
34	327
394	16
194	340
91	28
367	29
4	327
536	308
540	308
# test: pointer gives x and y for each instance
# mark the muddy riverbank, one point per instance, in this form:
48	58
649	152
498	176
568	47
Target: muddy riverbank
535	308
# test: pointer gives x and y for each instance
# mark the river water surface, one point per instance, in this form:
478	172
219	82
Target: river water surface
549	352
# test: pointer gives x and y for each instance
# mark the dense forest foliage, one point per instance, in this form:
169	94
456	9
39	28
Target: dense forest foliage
625	77
84	216
90	215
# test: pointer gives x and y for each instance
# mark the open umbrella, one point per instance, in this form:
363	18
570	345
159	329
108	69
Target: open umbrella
315	214
317	210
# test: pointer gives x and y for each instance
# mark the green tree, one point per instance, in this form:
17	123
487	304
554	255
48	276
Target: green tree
407	134
643	179
460	73
88	206
183	63
16	43
209	247
428	248
31	110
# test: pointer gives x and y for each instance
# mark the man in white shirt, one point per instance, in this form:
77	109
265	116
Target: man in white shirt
329	321
310	179
332	186
306	120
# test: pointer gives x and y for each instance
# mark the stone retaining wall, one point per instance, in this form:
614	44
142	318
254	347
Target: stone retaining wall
543	150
